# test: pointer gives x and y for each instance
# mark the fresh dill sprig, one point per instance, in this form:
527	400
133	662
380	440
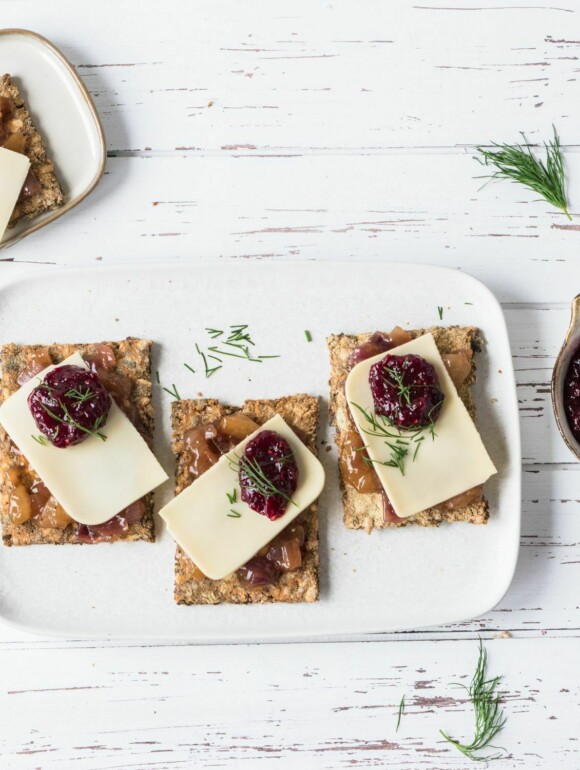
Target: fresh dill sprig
403	391
254	471
398	455
78	395
40	439
191	369
70	420
173	392
234	514
518	164
440	311
401	710
489	717
398	442
307	335
232	496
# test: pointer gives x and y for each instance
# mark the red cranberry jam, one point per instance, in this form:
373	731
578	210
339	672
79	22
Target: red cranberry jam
268	474
69	405
406	391
572	394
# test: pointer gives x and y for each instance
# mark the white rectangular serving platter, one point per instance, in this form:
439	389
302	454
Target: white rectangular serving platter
391	580
63	113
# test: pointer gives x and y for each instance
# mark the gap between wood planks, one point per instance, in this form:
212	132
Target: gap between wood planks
257	151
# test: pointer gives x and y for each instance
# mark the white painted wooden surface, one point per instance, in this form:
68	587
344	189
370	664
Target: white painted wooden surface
268	130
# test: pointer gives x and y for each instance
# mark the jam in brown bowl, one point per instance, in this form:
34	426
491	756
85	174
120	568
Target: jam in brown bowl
566	383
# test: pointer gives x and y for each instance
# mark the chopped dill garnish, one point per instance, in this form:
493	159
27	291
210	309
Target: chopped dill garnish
234	514
404	391
244	354
518	164
235	343
232	496
401	710
209	370
70	420
307	335
191	369
39	439
257	476
173	392
157	376
78	395
489	717
399	442
440	311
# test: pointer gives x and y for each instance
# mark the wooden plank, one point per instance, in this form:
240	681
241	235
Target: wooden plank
261	75
418	207
317	706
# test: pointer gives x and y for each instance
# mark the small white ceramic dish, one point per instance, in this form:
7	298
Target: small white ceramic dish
63	113
391	580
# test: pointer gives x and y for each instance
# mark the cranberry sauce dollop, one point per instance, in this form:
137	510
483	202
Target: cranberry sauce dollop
268	474
406	391
572	394
69	405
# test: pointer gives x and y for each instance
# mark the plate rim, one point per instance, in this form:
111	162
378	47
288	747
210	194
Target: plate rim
319	635
34	227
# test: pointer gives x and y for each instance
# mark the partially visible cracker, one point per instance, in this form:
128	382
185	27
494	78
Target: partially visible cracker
301	412
365	511
51	196
134	361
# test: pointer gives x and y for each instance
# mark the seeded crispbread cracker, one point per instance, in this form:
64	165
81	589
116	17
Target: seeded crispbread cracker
51	196
134	361
301	412
365	511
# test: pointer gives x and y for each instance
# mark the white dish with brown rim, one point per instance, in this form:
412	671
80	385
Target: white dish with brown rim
63	113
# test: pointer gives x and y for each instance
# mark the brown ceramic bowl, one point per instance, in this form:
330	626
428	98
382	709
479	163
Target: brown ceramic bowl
571	344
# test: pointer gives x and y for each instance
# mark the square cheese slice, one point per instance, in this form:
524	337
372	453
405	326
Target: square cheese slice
452	462
93	480
198	517
13	171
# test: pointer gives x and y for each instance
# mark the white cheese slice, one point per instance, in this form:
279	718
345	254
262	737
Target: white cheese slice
13	170
453	462
198	517
93	480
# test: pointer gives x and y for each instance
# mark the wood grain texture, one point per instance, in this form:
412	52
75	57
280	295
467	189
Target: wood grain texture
268	131
293	706
266	77
401	207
